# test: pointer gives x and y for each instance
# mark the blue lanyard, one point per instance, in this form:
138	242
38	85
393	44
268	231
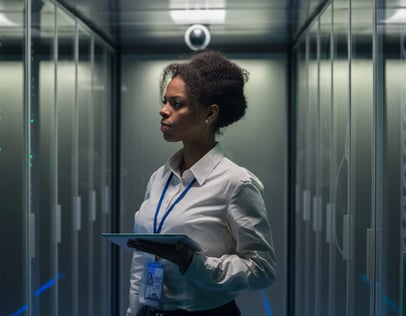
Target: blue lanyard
180	197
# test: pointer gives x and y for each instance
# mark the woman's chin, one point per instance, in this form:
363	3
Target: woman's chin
170	138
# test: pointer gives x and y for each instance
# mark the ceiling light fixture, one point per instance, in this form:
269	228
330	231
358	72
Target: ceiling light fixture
188	12
198	16
398	17
5	21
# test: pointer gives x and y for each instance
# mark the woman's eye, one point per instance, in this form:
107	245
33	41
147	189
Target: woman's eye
177	104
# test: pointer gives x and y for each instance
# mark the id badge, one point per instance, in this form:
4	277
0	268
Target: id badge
154	281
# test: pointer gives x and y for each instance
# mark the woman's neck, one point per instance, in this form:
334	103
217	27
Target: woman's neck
192	153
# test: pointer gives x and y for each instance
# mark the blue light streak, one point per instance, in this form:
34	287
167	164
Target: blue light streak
267	305
386	299
38	292
392	304
45	287
20	311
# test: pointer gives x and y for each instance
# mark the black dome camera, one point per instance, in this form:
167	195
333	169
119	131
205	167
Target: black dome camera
197	37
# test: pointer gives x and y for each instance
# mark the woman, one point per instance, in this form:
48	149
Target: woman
201	193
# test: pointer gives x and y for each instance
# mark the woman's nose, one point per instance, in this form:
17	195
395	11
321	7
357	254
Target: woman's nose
164	111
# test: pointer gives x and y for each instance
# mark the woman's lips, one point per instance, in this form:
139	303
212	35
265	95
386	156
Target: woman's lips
165	127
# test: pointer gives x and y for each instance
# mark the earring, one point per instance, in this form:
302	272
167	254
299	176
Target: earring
206	121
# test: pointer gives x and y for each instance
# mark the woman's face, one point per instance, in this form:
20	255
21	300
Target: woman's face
181	120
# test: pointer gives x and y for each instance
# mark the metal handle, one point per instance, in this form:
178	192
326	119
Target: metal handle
330	223
105	199
31	242
317	214
92	206
58	223
346	237
76	213
306	205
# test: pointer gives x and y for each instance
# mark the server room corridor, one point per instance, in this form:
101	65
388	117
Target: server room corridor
325	131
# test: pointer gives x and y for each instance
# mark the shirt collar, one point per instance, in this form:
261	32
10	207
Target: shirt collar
202	168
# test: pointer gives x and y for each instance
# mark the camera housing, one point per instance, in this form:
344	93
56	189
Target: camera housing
197	37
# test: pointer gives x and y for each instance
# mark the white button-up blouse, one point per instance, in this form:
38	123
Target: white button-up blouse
224	211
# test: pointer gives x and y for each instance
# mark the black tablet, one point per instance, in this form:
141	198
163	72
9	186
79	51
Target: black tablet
121	239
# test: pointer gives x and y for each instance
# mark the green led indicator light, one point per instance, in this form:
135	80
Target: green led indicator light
32	121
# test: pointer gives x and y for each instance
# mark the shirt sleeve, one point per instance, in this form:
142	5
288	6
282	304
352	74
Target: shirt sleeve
253	265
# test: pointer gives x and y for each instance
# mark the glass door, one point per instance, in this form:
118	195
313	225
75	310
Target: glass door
391	215
55	162
13	224
334	162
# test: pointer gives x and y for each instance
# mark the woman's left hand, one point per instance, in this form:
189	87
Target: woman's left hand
179	254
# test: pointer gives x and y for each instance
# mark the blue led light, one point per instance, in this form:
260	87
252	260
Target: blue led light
266	303
392	304
44	287
386	299
364	278
38	292
20	311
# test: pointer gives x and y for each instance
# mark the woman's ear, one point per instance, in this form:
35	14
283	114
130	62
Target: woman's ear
212	113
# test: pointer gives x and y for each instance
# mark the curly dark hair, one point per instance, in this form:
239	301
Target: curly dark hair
210	78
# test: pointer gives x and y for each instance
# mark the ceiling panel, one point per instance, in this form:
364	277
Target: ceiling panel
249	25
149	24
146	23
